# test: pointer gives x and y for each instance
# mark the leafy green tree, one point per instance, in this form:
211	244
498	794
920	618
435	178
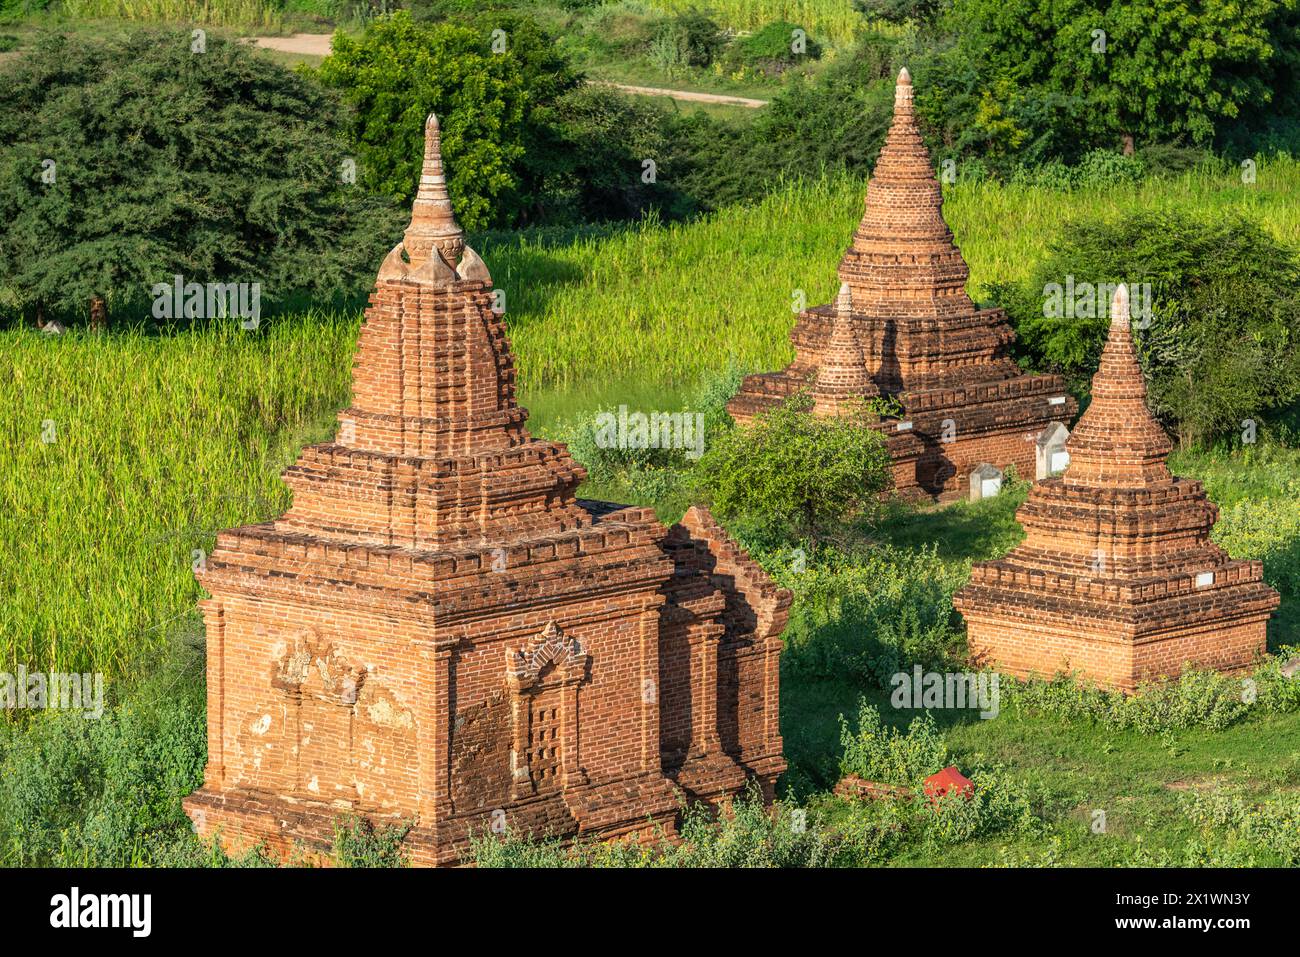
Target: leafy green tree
899	11
124	162
807	470
1218	339
398	72
597	165
1137	71
550	80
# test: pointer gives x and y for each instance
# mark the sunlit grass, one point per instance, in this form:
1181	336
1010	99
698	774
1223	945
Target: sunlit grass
833	20
121	454
217	13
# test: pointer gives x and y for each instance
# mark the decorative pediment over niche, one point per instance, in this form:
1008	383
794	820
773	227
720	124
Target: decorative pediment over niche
313	667
550	657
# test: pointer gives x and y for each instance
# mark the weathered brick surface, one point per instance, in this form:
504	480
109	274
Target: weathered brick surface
1117	578
439	630
903	326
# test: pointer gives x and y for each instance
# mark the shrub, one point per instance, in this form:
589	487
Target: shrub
696	39
899	11
358	843
1096	170
746	833
807	470
772	49
220	166
1224	313
1266	834
16	9
875	752
868	615
1196	699
106	792
660	477
625	27
602	138
996	804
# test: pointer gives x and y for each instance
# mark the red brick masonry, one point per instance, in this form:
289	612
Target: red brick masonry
903	326
1117	578
439	630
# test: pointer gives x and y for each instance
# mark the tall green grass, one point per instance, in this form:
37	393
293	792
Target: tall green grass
832	20
658	305
261	14
121	454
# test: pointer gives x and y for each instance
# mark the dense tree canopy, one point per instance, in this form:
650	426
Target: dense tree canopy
1103	72
1219	340
125	162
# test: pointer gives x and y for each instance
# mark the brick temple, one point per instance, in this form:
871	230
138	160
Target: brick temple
1117	579
438	630
903	327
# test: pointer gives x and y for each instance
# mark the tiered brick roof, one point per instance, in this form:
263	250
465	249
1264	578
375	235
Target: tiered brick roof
1117	560
433	451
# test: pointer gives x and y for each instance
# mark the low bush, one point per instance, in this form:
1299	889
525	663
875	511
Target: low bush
774	49
688	38
106	792
876	752
866	615
996	804
1197	699
359	843
745	833
812	472
1236	831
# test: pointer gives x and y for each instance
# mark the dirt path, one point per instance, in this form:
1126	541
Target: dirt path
318	44
689	96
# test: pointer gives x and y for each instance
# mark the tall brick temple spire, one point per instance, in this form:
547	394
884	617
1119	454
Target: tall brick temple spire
1117	579
1117	441
921	338
439	630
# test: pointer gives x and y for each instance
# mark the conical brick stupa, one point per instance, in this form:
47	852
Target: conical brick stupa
904	327
1117	580
439	632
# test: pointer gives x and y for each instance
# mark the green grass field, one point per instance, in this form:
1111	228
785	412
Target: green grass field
121	455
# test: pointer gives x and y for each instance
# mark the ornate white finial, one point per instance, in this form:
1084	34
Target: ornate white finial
844	301
903	89
1119	315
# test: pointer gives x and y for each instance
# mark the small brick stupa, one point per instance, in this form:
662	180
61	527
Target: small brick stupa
438	631
1117	580
904	327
